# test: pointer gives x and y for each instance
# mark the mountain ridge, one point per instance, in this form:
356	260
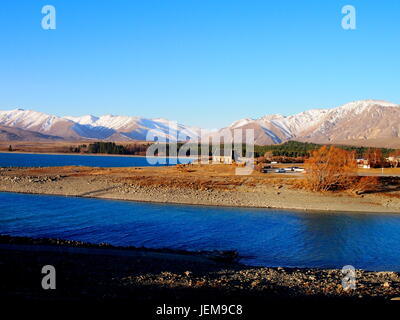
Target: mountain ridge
355	122
107	127
361	121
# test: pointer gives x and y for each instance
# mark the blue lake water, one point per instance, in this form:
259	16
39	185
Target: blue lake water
261	236
56	160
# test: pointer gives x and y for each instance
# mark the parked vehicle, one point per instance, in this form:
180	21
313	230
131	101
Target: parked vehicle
294	169
280	170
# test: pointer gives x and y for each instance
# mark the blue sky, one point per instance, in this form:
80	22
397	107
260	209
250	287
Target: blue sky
200	62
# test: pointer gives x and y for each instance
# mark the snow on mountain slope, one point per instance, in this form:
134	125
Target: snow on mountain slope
355	122
92	127
27	119
88	119
302	121
359	120
135	128
16	134
38	122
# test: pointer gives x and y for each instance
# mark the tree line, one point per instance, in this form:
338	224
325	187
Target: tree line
304	149
289	150
111	148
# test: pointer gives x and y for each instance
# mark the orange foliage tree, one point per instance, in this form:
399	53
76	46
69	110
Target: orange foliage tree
330	168
395	153
375	157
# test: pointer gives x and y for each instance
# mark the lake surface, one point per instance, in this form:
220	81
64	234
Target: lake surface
56	160
261	236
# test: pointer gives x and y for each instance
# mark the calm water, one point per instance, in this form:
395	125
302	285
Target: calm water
262	237
56	160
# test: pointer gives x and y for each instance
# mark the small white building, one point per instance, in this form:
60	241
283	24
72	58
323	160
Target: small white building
363	163
394	161
222	159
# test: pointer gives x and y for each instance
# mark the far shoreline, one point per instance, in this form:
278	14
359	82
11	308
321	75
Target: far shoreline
94	154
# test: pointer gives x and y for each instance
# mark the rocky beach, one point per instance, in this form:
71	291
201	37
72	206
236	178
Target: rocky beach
88	272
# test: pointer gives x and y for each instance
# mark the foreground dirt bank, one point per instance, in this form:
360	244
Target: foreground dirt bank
103	272
195	184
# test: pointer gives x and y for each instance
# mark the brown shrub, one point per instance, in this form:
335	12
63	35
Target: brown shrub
365	184
330	168
374	157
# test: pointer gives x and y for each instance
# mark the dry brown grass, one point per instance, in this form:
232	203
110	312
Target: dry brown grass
379	171
391	195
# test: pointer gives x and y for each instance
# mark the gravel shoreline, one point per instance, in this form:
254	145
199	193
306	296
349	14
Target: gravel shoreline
172	185
103	272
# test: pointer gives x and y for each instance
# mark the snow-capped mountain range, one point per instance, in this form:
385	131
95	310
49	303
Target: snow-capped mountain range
361	122
108	127
356	122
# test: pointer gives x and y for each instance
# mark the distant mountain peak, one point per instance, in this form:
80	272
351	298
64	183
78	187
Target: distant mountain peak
272	117
86	119
368	103
241	122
